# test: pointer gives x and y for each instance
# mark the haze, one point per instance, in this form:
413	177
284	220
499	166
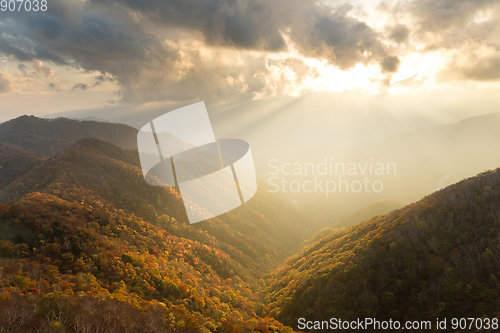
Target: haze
299	80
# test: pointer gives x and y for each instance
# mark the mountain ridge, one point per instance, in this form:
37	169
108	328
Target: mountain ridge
88	225
16	161
438	257
51	136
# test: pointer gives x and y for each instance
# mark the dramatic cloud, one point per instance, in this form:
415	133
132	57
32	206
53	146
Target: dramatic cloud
390	64
454	23
242	24
467	29
155	50
399	33
318	30
438	15
342	40
152	48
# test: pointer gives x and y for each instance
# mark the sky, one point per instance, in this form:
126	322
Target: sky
299	80
291	63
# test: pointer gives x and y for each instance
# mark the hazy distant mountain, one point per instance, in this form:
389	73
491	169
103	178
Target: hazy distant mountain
90	118
367	212
436	258
377	208
430	159
425	160
51	136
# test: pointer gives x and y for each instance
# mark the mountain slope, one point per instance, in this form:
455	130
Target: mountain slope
112	175
86	222
439	257
15	162
425	160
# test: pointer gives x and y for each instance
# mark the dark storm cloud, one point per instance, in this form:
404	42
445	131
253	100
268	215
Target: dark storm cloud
343	40
125	40
45	25
25	49
97	42
18	49
319	31
92	42
239	30
243	24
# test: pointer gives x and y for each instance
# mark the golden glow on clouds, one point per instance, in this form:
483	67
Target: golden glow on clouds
59	88
283	73
363	78
44	88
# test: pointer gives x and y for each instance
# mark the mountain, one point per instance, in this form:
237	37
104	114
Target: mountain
83	231
90	118
115	176
51	136
87	245
422	161
436	258
377	208
15	162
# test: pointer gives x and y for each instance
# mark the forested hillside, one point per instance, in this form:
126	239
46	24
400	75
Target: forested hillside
15	162
87	245
82	231
438	257
51	136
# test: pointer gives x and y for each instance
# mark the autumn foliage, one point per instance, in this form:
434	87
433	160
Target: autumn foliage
436	258
86	245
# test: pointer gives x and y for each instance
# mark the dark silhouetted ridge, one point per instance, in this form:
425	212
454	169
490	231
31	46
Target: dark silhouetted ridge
51	136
